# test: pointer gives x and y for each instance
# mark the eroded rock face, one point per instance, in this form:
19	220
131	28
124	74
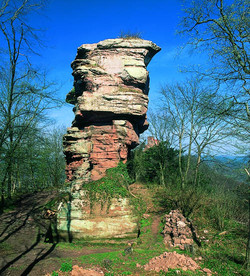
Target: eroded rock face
83	219
110	95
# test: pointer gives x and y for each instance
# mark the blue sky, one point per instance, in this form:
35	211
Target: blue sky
70	23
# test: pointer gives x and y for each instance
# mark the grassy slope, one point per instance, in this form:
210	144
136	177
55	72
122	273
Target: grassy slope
223	253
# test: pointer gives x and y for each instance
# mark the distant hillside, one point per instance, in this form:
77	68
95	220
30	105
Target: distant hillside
230	166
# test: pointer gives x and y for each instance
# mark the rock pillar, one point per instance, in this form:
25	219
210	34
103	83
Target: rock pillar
110	98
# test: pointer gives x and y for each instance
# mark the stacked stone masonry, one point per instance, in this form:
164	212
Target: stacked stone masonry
110	98
177	231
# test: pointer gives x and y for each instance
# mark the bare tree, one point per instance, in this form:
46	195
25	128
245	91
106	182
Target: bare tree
221	30
39	161
25	95
194	130
161	127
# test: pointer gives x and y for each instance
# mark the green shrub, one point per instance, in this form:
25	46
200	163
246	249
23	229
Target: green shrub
66	267
113	185
158	164
107	263
186	200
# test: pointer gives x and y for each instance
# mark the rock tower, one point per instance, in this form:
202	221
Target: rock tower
110	98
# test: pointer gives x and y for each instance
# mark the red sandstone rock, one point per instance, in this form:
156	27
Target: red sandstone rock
151	142
110	91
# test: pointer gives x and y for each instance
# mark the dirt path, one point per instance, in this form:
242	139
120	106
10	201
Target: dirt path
22	247
155	226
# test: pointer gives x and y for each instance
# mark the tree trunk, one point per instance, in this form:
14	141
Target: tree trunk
190	145
162	175
2	194
197	169
180	157
9	182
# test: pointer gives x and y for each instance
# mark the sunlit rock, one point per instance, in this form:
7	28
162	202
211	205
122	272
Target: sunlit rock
111	85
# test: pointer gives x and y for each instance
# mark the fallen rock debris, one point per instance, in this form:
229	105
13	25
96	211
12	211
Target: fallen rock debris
164	262
173	260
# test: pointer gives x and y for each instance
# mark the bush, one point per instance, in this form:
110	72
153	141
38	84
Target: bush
66	267
186	200
158	164
130	35
113	185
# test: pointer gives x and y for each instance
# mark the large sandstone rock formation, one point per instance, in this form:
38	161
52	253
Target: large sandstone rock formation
110	95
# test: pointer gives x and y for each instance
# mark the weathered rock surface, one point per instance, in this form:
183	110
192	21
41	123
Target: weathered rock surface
110	98
110	95
152	141
83	219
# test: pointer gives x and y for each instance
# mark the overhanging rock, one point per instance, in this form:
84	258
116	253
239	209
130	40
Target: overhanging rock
110	98
110	95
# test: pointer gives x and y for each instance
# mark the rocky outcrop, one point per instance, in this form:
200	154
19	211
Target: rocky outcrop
82	219
152	141
110	97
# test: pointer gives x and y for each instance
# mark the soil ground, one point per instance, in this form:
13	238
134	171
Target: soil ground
23	250
22	234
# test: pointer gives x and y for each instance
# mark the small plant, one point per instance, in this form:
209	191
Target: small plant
130	35
113	185
71	96
107	263
66	267
145	223
54	273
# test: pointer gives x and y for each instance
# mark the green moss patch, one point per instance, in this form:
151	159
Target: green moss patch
113	185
